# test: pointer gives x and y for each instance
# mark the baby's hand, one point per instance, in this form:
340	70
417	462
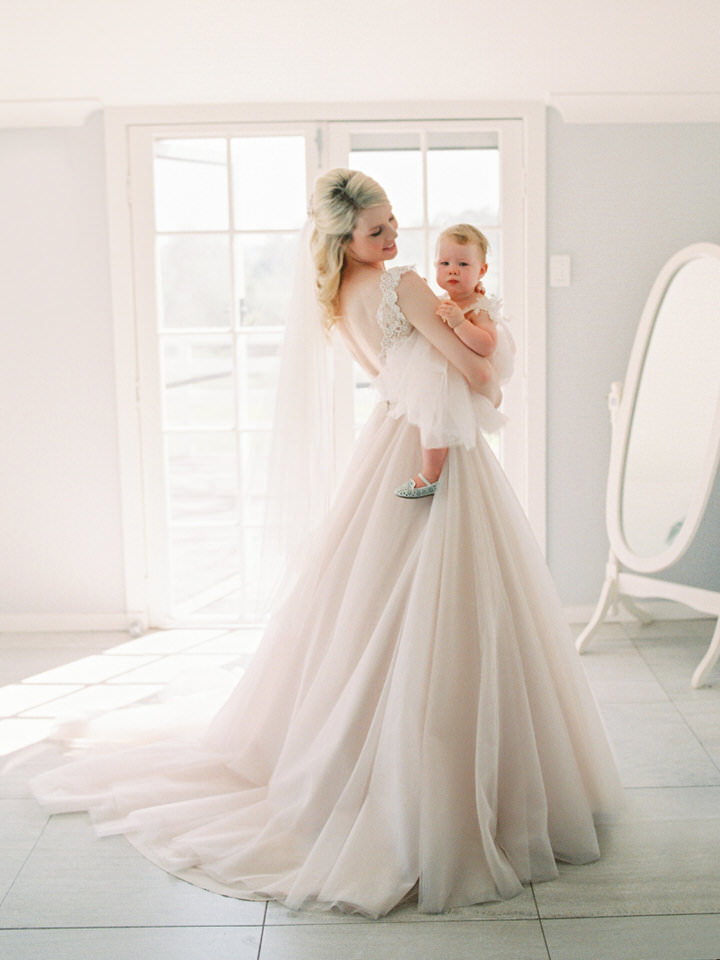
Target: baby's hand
450	313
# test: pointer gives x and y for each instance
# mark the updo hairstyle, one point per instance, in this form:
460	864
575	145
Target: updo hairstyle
338	197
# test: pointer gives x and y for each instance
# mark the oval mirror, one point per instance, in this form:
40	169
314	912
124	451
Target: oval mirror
665	446
668	448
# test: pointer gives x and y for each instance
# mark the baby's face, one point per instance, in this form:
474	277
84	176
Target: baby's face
459	267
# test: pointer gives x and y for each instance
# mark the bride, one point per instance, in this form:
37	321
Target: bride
416	724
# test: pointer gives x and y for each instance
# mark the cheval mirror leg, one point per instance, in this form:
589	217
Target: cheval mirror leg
607	599
610	596
702	671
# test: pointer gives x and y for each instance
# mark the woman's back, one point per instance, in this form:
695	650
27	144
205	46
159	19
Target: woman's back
360	299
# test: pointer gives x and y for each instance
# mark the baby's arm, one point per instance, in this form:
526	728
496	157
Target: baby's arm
475	329
419	304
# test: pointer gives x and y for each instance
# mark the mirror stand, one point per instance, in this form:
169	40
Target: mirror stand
665	446
620	587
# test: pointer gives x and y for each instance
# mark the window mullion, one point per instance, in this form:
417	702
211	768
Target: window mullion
425	199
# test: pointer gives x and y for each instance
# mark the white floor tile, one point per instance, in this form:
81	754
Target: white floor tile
25	654
377	940
17	769
673	658
660	867
72	835
168	669
209	943
655	747
635	938
166	642
672	803
92	700
93	669
10	866
235	641
703	718
17	733
18	697
91	890
608	630
623	677
21	823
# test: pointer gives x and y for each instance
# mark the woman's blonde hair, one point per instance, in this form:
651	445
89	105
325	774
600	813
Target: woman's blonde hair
338	197
466	233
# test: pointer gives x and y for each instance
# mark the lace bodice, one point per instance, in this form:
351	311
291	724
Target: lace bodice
391	320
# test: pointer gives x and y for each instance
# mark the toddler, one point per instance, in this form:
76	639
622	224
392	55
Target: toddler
460	266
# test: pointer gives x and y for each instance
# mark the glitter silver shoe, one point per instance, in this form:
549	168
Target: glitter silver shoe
411	492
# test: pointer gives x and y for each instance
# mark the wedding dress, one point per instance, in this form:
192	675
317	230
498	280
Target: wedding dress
416	723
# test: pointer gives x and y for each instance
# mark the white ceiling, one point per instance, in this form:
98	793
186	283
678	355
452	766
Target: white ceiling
194	51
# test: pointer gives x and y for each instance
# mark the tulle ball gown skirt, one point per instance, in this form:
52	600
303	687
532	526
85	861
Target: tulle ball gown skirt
415	724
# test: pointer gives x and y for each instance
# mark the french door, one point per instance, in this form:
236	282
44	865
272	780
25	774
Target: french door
216	213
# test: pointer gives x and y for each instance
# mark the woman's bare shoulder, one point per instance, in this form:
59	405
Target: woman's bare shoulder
360	290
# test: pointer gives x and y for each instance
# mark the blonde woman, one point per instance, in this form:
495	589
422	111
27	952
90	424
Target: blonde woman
415	725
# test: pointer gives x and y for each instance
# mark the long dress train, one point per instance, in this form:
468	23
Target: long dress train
416	721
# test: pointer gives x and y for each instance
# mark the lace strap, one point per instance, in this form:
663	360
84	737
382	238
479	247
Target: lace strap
393	323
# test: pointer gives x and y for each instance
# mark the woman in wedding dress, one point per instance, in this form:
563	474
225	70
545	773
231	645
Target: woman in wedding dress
416	723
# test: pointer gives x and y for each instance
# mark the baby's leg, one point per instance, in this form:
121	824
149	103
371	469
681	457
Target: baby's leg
423	484
433	462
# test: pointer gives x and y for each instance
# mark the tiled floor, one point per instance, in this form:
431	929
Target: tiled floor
654	895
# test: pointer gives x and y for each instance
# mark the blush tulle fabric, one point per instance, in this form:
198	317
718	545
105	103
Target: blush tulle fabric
415	725
420	385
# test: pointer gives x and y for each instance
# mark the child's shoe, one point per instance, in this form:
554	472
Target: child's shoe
410	491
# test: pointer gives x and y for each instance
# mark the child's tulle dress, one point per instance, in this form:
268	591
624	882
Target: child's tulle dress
418	383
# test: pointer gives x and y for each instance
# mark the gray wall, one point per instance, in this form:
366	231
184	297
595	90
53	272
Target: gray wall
621	200
59	484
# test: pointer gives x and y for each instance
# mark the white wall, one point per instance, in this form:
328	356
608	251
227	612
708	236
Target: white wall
621	200
215	51
61	549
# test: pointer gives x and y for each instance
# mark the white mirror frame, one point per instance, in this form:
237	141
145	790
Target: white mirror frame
623	573
623	424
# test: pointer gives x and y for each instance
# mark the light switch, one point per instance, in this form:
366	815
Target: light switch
560	270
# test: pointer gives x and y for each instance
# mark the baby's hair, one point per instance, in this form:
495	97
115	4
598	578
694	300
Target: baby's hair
466	233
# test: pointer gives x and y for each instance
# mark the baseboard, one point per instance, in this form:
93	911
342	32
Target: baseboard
133	623
659	610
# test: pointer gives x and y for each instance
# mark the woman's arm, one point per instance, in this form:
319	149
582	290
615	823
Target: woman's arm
418	303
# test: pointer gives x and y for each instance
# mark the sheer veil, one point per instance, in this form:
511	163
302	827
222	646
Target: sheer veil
301	459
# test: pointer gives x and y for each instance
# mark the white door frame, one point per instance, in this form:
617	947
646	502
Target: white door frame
530	369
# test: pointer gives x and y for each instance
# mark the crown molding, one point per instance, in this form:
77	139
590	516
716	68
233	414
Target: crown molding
46	113
637	107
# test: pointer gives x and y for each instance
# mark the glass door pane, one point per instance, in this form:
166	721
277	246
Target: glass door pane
227	215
